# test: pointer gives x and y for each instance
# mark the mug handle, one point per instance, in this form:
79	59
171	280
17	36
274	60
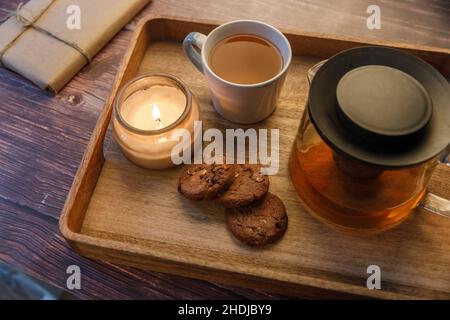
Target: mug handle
194	39
430	202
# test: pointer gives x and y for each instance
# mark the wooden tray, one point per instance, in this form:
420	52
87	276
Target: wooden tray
118	212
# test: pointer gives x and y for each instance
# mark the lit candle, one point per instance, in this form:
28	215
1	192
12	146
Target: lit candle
154	108
147	111
157	116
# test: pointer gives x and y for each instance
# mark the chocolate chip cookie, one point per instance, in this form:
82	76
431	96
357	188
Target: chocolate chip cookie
249	185
263	222
205	181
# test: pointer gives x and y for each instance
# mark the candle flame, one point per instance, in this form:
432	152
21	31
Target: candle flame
157	115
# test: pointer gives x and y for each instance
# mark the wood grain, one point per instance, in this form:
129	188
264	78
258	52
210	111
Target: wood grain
135	216
43	137
410	21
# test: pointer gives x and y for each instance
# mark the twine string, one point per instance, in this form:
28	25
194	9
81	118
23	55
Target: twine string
32	24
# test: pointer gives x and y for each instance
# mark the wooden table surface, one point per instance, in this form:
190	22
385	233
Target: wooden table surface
43	137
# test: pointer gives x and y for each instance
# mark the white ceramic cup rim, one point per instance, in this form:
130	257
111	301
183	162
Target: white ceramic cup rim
286	63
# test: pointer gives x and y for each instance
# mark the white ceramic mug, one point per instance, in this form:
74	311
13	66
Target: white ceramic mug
240	103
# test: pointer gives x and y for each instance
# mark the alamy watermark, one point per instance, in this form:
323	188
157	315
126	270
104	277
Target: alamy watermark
73	281
374	20
235	146
73	21
374	280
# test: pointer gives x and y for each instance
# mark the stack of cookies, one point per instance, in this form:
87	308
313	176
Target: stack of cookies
254	216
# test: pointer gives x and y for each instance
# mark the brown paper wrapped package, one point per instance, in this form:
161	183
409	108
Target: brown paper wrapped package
49	53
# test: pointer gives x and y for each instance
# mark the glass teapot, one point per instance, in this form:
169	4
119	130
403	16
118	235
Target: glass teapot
376	125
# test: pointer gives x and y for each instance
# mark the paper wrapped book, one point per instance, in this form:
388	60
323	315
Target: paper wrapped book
39	42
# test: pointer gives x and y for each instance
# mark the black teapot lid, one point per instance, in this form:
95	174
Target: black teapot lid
381	106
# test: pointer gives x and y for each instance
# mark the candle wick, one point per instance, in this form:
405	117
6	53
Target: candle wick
160	125
157	116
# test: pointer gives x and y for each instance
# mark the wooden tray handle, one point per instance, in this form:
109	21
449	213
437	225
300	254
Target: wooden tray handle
440	183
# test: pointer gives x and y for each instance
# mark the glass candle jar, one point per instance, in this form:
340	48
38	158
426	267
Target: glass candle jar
147	111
